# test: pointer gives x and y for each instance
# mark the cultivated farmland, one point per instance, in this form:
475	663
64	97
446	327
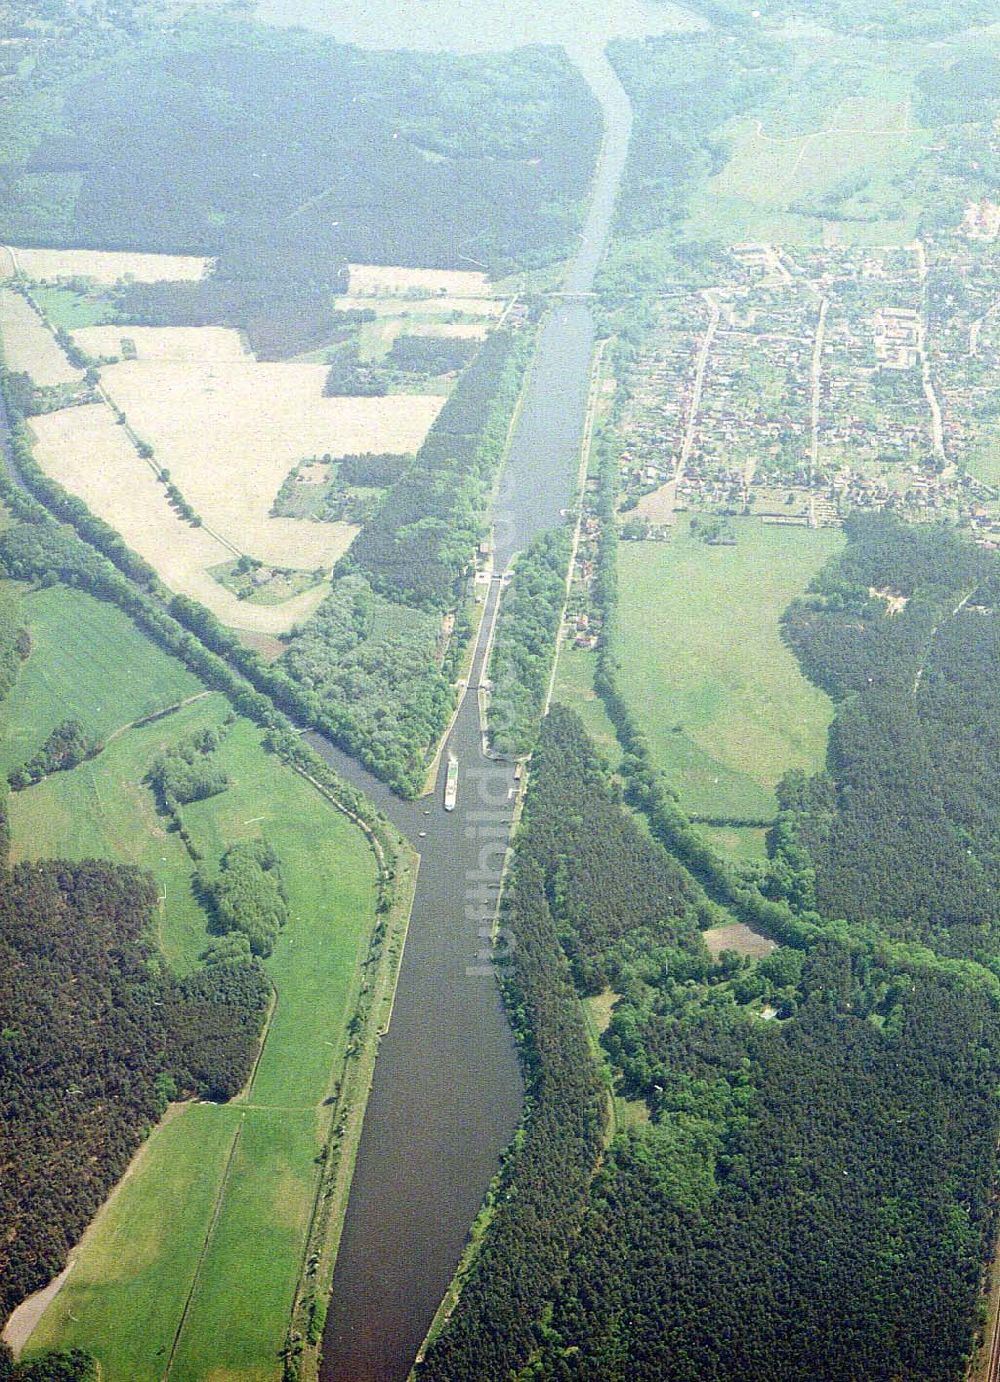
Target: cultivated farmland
230	432
186	343
91	456
29	346
106	266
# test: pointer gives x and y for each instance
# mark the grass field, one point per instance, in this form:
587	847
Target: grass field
105	675
575	688
721	698
64	307
838	181
180	1237
737	842
738	937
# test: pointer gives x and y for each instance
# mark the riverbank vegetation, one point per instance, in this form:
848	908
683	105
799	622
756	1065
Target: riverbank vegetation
630	890
766	1177
373	667
525	642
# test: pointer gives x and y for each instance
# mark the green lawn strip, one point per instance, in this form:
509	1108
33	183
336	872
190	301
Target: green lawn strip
135	1266
88	661
737	842
64	307
241	1304
575	688
329	875
984	462
726	709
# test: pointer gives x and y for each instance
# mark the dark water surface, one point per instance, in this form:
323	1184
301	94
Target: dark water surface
447	1092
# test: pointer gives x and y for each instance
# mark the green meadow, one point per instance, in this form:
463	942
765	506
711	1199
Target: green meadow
833	174
574	688
193	1263
718	694
89	661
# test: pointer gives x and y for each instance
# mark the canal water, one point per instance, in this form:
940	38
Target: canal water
447	1092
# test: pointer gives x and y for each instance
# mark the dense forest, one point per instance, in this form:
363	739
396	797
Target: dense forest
812	1176
902	829
71	1366
372	668
276	151
96	1038
594	884
422	537
801	1181
525	642
814	1195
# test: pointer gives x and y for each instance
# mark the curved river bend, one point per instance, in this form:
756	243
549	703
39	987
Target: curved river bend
447	1092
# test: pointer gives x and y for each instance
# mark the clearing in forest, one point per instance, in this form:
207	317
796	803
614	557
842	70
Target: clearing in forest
737	936
393	280
722	700
136	1268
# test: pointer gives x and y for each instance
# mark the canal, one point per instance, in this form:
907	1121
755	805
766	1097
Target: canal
447	1092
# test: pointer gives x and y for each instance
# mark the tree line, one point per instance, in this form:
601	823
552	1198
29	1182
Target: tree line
525	643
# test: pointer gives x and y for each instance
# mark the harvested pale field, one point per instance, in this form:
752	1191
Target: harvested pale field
164	342
29	346
418	308
108	266
382	280
658	505
87	452
738	937
230	432
464	331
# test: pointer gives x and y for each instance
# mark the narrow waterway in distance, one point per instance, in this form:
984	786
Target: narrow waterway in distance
447	1092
